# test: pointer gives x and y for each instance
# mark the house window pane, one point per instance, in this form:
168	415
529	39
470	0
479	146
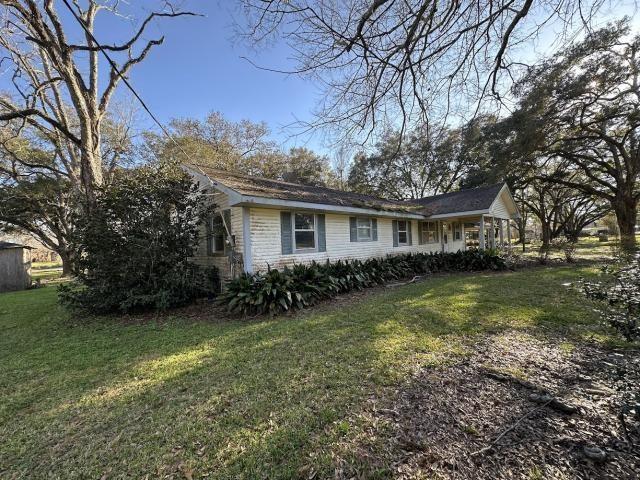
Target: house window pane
457	231
304	231
305	239
217	234
403	234
364	228
304	221
429	232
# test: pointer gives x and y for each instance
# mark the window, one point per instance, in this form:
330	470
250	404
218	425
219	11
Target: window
403	232
429	232
217	235
364	229
457	231
304	231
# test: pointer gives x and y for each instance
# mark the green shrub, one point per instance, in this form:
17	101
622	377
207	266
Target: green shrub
276	291
618	296
135	243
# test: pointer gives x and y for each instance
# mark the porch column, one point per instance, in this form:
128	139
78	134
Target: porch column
492	236
509	232
501	232
464	238
481	245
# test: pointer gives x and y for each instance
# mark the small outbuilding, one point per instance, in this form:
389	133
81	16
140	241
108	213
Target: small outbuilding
15	266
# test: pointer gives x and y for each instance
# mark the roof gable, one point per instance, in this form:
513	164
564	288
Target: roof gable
470	200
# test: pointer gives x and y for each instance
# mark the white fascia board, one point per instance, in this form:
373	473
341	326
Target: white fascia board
291	204
469	213
203	179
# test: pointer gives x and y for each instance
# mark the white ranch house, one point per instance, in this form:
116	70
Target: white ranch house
262	222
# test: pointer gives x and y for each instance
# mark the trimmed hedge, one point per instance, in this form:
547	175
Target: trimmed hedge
277	291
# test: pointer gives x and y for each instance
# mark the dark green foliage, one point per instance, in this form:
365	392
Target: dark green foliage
277	291
619	297
134	245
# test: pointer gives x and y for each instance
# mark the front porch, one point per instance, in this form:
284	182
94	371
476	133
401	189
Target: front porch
480	232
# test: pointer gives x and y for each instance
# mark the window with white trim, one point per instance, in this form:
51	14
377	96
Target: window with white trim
365	229
429	232
304	231
457	231
403	232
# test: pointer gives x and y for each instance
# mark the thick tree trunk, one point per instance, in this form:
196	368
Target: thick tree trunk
547	234
626	210
573	235
67	263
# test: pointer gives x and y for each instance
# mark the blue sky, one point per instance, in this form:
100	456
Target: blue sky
200	69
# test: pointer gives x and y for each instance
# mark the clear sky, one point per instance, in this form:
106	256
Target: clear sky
199	69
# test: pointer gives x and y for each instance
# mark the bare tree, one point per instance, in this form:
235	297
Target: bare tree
407	61
57	88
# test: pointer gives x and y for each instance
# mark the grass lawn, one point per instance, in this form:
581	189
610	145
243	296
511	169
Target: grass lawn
46	271
588	248
103	398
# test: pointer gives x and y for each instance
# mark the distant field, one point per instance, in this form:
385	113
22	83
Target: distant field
588	248
46	271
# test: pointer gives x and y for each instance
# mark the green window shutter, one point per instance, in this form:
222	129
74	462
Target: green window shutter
226	215
209	235
322	236
353	229
394	226
374	229
420	227
409	222
285	233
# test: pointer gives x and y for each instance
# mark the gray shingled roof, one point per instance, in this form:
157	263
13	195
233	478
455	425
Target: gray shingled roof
463	201
7	245
268	188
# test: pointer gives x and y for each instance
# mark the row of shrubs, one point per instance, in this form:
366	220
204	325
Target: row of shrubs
300	286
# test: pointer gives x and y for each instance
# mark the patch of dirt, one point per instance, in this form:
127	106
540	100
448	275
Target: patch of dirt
477	418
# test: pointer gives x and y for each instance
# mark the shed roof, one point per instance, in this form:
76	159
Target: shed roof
268	188
7	245
469	200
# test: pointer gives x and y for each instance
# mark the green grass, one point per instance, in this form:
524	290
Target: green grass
46	265
46	271
588	248
83	398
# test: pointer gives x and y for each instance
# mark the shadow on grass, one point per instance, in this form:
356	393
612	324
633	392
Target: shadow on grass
238	400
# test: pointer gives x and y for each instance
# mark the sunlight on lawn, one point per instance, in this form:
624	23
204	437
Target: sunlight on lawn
240	399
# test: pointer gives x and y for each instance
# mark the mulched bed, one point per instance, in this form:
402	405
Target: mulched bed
475	419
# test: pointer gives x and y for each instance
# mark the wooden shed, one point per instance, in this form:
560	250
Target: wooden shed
15	266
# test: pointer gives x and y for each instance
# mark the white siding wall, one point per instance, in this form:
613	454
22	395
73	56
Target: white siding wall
499	208
267	249
221	261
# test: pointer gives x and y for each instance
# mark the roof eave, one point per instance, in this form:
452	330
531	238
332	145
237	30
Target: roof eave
248	201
